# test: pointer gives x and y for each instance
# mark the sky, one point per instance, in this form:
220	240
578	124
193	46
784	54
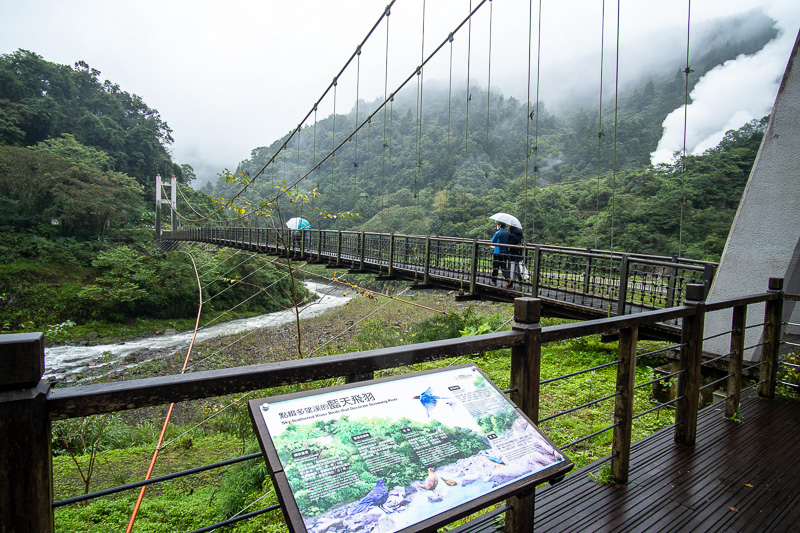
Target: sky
230	77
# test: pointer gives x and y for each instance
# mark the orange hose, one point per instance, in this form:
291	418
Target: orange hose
172	405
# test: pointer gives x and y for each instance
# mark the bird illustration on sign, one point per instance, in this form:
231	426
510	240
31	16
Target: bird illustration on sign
375	498
429	400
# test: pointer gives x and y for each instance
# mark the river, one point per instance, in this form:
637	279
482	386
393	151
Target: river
61	361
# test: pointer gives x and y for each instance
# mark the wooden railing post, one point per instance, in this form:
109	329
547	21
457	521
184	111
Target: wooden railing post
623	404
525	377
338	247
26	472
691	355
773	314
735	361
319	246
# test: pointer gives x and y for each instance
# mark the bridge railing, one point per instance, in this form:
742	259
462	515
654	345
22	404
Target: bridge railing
28	406
615	283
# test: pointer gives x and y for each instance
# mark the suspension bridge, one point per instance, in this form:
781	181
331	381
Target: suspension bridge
571	283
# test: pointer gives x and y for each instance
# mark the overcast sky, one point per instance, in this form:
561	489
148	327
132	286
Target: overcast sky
230	77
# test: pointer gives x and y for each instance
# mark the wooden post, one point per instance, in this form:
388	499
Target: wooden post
623	404
26	473
319	246
735	362
338	247
623	285
773	314
690	364
525	377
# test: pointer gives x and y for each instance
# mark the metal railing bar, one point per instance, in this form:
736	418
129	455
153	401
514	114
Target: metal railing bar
753	386
755	346
572	410
745	369
760	324
715	382
656	408
796	345
230	521
656	352
587	437
662	378
723	356
167	477
790	365
578	373
791	385
718	335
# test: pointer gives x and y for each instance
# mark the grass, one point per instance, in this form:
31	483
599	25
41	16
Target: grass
226	430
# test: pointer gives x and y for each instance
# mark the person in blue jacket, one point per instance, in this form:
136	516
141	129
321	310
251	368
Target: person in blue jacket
500	253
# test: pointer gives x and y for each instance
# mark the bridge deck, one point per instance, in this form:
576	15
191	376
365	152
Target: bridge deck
739	477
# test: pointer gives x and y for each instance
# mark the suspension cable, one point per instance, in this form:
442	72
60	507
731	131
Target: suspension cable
536	125
355	148
489	96
616	120
687	71
419	114
385	96
600	124
529	113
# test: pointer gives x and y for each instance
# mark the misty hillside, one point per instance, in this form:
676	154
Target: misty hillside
392	163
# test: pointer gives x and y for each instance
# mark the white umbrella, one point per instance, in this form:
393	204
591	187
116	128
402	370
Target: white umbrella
505	218
297	223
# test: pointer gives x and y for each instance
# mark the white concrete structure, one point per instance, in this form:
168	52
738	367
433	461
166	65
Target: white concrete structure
764	241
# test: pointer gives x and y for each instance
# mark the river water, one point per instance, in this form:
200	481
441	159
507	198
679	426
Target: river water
64	360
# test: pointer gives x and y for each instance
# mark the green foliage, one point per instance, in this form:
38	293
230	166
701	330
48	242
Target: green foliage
603	476
42	100
123	273
39	186
454	325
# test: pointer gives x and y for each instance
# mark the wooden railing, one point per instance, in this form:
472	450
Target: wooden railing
583	282
28	406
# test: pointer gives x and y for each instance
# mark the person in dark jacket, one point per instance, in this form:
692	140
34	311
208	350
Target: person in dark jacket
500	253
514	255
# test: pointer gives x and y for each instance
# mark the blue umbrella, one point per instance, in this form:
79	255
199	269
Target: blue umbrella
297	223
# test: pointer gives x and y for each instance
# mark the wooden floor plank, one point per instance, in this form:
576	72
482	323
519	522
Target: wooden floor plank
674	488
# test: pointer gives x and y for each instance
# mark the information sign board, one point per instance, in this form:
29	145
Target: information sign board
407	453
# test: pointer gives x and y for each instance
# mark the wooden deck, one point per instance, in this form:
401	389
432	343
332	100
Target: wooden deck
740	477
